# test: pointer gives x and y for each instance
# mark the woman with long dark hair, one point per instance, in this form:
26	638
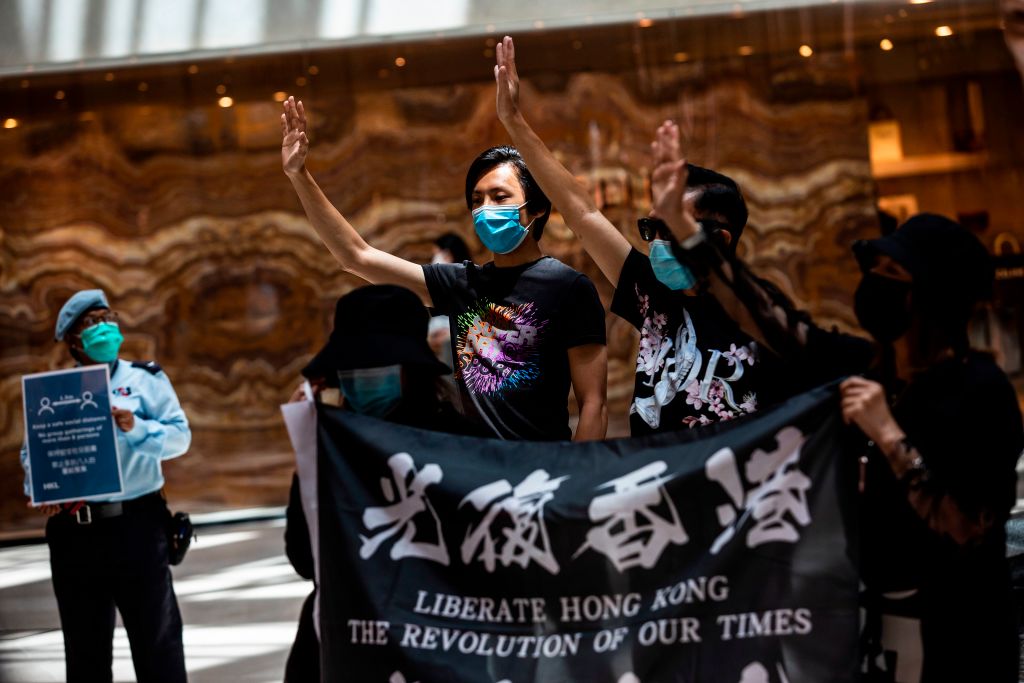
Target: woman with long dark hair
941	424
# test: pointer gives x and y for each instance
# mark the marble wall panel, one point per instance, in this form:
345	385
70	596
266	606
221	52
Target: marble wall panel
183	216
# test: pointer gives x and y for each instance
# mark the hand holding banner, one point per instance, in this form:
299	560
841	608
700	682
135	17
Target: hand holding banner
665	558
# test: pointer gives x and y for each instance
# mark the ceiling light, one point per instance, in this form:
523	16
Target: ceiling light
944	31
886	44
10	123
225	102
806	51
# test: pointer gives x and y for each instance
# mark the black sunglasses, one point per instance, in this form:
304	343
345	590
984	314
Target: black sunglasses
650	228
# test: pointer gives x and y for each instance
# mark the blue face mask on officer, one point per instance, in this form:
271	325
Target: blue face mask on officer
498	227
372	391
669	271
102	341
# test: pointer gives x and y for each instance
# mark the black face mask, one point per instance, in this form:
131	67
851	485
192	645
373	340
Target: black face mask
882	307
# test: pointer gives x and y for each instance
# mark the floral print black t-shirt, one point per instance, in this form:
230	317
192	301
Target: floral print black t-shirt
695	366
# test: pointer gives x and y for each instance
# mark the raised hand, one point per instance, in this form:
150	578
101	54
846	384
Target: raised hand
507	79
294	143
668	182
664	152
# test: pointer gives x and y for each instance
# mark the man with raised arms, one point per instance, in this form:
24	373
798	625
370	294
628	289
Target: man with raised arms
695	366
523	327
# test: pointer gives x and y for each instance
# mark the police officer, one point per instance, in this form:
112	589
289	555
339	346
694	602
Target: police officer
114	553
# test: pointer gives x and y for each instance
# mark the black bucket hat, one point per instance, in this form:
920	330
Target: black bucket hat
376	326
947	262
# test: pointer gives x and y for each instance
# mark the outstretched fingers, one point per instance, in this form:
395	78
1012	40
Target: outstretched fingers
665	146
295	116
510	56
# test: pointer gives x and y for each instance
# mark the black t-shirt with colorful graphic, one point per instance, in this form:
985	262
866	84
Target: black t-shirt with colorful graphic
511	331
695	366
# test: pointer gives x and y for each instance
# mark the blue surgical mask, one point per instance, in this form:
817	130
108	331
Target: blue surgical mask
372	391
102	341
669	271
498	227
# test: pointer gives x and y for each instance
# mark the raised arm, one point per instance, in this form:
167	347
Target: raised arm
747	299
347	245
759	308
600	239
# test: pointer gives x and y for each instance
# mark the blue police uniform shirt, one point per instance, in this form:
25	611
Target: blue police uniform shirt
161	430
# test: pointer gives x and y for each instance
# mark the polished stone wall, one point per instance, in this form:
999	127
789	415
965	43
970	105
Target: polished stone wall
180	212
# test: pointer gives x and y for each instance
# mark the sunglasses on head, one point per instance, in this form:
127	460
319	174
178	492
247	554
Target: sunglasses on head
652	228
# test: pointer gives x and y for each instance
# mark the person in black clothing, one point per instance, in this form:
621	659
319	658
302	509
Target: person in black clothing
1013	30
695	365
378	357
450	248
942	428
524	327
303	664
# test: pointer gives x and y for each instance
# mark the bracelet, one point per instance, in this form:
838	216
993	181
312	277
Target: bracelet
916	473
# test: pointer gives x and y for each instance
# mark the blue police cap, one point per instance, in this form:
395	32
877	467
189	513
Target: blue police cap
73	308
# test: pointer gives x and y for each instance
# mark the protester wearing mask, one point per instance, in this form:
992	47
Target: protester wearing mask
450	248
523	327
943	434
114	553
1013	27
382	368
695	366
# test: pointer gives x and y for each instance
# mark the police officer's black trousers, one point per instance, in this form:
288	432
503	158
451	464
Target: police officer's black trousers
117	562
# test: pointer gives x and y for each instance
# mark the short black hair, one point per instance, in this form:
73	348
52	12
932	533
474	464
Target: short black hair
536	201
455	246
719	194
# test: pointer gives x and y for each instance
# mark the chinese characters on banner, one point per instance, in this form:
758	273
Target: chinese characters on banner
632	561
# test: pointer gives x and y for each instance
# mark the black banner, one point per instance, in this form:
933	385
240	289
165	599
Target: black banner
664	558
